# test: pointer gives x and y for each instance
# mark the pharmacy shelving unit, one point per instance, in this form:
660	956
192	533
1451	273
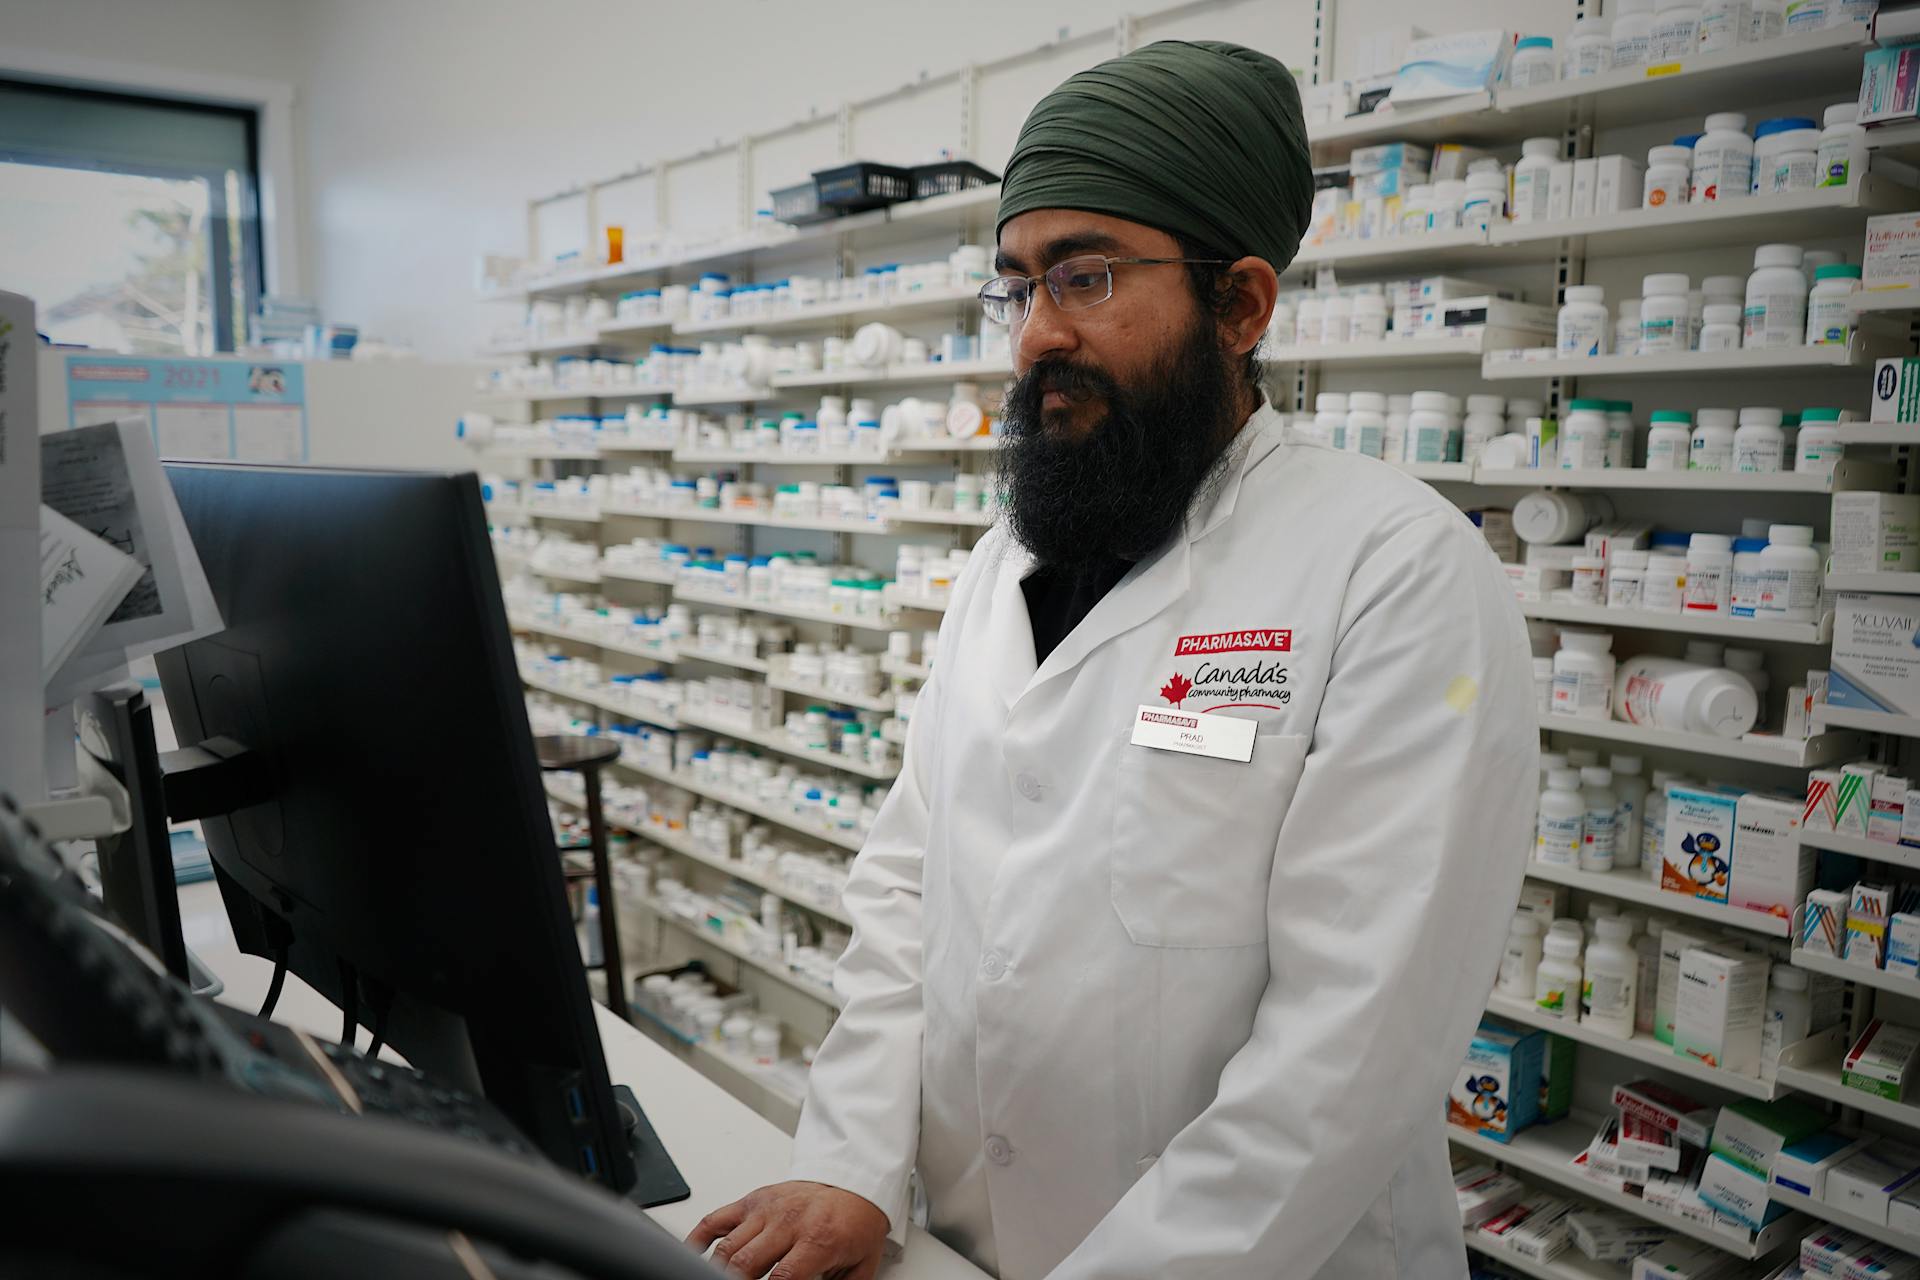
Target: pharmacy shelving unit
1570	1265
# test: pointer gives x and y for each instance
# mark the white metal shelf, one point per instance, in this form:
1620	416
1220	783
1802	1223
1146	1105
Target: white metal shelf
773	458
905	670
820	693
719	657
722	395
956	444
1894	433
829	314
1640	1047
1867	721
1395	352
1641	478
1746	362
1859	974
1633	884
1547	1152
661	578
536	395
1821	1078
542	346
781	741
560	513
898	599
1692	624
766	520
1899	584
1431	250
783	611
625	330
587	577
1897	855
1571	1264
1884	300
600	699
1759	748
896	374
683	844
544	453
772	968
1432	472
848	840
1841	1218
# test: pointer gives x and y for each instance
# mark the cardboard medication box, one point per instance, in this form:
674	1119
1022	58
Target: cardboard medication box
1887	810
1889	85
1881	1061
1669	1109
1866	1184
1903	945
1823	923
1686	1260
1772	871
1876	666
1804	1166
1824	1250
1753	1134
1853	804
1896	391
1612	1235
1482	1191
1720	1008
1619	182
1903	1211
1698	849
1867	910
1875	533
1535	1229
1735	1190
1497	1092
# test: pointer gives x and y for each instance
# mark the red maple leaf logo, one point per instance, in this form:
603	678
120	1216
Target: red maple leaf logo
1175	690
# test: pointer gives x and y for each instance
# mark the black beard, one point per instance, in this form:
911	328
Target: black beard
1123	488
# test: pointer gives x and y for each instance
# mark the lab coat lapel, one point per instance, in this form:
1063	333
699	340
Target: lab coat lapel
1009	635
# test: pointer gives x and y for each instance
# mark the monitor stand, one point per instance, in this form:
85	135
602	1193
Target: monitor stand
655	1179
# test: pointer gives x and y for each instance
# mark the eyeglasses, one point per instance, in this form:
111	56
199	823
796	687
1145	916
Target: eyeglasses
1076	284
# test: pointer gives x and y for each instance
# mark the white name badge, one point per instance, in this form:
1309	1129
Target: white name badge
1194	732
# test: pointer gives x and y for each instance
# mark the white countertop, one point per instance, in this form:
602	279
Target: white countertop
723	1148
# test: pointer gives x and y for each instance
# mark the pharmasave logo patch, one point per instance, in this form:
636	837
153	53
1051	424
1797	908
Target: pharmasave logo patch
1217	684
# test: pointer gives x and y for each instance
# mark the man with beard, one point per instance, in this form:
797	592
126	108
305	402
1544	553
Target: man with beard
1172	934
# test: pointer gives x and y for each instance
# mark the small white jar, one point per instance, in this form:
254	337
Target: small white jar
1583	669
1619	433
1530	178
1583	328
1662	592
1669	440
1626	328
1336	319
1709	574
1759	445
1663	313
1330	419
1589	48
1794	161
1369	318
1769	20
1626	576
1416	210
1632	33
1676	30
1433	433
1790	574
1771	137
1448	204
1722	160
1308	317
1485	202
1711	448
1533	63
1724	24
1843	145
1669	173
1590	580
1583	437
1720	326
1819	449
1829	319
1366	423
1776	311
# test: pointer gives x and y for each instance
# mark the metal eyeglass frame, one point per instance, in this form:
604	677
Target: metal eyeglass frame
1056	277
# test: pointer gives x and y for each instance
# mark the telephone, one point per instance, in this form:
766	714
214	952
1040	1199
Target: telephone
175	1136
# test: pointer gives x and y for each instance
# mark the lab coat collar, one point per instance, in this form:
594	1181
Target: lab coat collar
1157	582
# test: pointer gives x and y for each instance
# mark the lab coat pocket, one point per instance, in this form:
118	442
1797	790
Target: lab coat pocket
1193	841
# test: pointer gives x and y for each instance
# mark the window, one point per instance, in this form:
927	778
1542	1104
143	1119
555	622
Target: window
133	223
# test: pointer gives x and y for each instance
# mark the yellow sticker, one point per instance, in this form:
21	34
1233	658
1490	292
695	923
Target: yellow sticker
1462	693
1666	69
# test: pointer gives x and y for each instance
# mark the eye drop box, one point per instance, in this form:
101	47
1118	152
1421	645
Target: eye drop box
1698	849
1823	923
1610	1235
1686	1260
1772	871
1868	907
1482	1191
1875	533
1619	182
1497	1093
1560	198
1854	801
1674	943
1753	1134
1881	1060
1736	1191
1804	1165
1720	1009
1903	945
1866	1184
1822	810
1887	811
1666	1108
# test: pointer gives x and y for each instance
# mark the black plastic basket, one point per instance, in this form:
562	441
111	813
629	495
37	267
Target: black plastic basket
949	176
862	185
799	205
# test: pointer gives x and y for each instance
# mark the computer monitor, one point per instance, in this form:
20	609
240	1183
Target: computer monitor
406	847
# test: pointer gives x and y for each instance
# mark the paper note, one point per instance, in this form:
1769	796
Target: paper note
82	579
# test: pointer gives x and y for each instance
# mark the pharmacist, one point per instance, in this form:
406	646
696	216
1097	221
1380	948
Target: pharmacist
1128	1011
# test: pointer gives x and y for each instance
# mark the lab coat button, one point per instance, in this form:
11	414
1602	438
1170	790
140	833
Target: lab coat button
993	966
1029	786
999	1150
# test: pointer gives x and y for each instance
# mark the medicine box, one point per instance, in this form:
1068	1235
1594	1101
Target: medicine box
1881	1060
1497	1091
1823	923
1544	902
1903	945
1556	1078
1618	184
1720	1009
1536	1228
1644	1142
1445	288
1910	820
1803	1166
1868	908
1735	1190
1876	1261
1889	807
1865	1184
1854	803
1674	943
1876	666
1823	801
1889	85
1533	584
1772	871
1455	316
1824	1250
1585	172
1560	190
1752	1134
1450	65
1698	848
1496	526
1903	1211
1605	1160
1875	533
1686	1260
1611	1235
1453	159
1684	1117
1389	155
1896	391
1482	1191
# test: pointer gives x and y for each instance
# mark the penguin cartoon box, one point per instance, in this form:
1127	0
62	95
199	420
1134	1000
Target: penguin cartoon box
1698	853
1497	1093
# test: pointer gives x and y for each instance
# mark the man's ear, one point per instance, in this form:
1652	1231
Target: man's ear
1256	289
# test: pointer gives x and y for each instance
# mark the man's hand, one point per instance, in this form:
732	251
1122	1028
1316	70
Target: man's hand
796	1231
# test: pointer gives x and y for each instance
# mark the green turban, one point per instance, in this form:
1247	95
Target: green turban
1202	139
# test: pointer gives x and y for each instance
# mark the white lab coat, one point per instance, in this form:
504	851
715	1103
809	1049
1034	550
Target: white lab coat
1133	1013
